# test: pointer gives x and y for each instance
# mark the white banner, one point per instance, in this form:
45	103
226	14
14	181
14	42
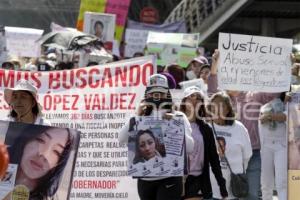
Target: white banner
22	41
254	63
97	101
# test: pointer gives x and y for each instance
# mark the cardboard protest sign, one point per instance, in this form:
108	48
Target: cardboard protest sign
156	147
22	41
100	25
119	8
135	41
97	101
136	34
254	63
294	147
42	159
172	47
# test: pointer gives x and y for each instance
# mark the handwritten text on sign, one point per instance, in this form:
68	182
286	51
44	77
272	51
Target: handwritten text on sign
254	63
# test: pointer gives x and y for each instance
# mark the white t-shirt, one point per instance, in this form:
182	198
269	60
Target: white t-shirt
277	130
189	141
237	145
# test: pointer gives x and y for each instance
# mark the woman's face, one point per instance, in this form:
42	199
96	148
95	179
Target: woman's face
22	102
42	154
147	146
218	108
192	101
98	30
204	73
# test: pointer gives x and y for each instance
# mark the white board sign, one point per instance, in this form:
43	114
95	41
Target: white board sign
135	41
22	41
254	63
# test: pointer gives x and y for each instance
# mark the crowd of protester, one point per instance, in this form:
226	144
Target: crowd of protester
252	139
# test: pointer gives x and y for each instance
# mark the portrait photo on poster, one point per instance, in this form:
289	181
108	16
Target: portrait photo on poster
145	144
100	24
155	147
45	157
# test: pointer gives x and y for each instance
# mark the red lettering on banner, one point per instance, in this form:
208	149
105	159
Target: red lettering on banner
68	74
7	78
145	74
54	80
106	78
122	75
83	81
135	72
35	78
131	103
133	75
113	101
91	184
94	72
63	102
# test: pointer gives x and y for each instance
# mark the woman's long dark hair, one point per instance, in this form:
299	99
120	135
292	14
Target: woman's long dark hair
230	117
159	147
49	183
138	157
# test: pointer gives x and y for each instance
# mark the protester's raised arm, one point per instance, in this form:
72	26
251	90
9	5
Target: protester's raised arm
215	60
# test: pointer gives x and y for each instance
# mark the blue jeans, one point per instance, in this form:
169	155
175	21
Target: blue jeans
253	174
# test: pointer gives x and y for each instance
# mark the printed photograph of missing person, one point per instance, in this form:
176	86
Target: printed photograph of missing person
145	145
45	157
221	146
101	25
98	29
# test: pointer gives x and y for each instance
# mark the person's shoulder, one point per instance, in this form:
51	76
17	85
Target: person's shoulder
240	126
178	113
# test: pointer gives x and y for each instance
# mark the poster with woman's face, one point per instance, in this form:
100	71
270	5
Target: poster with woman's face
155	147
294	132
100	24
42	160
294	146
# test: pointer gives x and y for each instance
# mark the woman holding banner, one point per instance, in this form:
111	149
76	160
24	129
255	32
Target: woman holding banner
236	144
158	103
205	154
24	105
